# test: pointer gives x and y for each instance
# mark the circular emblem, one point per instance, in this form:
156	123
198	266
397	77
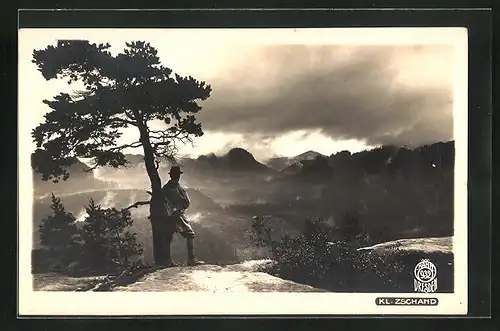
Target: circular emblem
425	271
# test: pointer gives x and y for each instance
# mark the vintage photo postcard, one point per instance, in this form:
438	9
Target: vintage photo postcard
242	171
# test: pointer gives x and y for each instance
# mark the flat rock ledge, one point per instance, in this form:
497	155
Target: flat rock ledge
215	279
442	245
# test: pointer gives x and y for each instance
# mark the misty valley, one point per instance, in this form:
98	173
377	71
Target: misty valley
363	199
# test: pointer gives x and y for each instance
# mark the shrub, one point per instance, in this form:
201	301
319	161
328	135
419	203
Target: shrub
107	245
59	239
316	259
103	244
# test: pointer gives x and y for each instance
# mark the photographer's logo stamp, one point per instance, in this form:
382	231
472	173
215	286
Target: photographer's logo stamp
425	277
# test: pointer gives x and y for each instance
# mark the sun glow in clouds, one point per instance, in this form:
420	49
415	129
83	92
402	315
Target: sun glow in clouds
288	145
250	63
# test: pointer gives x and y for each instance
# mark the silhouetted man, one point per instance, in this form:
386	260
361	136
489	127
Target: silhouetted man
178	199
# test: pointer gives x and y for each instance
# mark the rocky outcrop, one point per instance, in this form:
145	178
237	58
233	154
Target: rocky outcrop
212	278
409	252
415	245
243	277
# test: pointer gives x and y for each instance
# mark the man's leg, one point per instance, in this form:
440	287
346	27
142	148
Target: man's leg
168	238
191	253
162	239
158	246
187	232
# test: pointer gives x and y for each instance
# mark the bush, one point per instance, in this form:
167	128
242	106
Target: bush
102	245
316	259
107	245
59	239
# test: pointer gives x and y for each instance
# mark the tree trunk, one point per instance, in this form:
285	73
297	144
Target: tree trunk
161	248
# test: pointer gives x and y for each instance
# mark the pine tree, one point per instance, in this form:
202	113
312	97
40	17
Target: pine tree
59	234
107	242
129	90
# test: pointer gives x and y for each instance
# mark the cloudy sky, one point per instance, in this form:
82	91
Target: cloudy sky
283	92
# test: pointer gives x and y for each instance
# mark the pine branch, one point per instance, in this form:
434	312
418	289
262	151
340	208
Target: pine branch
137	204
167	155
90	169
161	143
130	116
122	121
135	144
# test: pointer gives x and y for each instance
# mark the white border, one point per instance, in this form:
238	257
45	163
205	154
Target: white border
129	303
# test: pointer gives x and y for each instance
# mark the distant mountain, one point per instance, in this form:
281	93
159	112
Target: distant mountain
293	168
278	163
77	170
391	159
135	159
316	168
81	178
210	160
236	160
281	163
241	160
309	155
200	201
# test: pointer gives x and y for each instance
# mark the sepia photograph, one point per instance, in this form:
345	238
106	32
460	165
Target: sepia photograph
240	171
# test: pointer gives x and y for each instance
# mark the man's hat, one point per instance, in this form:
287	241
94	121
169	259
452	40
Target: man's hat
175	170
